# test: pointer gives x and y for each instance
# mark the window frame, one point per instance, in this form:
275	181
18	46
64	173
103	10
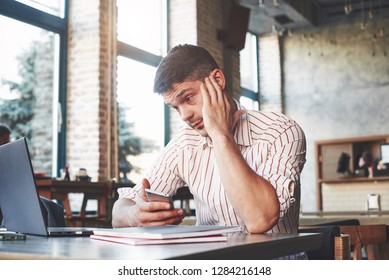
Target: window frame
27	14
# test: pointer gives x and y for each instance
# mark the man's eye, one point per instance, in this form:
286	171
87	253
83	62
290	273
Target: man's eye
188	98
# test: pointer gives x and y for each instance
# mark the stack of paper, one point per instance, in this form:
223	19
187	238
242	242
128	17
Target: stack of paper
165	234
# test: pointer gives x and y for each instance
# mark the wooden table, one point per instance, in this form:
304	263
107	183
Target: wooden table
239	246
60	189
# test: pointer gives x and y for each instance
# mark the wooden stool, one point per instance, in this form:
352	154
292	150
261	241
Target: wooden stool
342	247
368	236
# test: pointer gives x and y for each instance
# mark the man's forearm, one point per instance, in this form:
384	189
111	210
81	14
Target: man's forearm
253	197
121	213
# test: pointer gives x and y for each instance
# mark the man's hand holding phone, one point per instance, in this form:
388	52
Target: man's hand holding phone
158	196
155	208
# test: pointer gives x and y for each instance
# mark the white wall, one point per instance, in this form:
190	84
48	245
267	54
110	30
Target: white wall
336	90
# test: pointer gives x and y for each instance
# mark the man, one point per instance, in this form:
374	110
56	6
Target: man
243	167
5	134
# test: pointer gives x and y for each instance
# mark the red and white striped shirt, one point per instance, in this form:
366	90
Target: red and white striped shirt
272	144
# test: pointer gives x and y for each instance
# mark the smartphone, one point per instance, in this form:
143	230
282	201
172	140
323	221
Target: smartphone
158	196
10	235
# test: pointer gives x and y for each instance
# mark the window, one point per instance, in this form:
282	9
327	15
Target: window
141	123
56	8
249	73
141	114
32	80
142	24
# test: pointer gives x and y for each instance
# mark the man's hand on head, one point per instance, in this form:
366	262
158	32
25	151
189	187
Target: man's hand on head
218	112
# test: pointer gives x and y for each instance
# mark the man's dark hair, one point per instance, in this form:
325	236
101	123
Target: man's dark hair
183	62
4	129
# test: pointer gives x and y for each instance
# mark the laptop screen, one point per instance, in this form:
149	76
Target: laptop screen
19	200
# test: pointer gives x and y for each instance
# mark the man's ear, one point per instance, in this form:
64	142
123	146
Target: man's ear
219	77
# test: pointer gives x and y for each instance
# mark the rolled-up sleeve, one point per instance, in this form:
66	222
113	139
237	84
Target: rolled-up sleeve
284	162
130	193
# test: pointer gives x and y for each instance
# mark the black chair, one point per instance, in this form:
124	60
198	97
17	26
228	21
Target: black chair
327	247
331	235
53	213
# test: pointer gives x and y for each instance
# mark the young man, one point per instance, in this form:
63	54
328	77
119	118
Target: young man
243	167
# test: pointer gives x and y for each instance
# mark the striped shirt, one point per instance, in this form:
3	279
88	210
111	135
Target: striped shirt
272	144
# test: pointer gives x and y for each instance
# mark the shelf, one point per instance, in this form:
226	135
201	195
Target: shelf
337	156
346	213
354	179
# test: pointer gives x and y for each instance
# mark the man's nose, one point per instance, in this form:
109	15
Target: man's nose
186	114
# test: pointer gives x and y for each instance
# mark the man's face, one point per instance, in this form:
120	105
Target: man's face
187	100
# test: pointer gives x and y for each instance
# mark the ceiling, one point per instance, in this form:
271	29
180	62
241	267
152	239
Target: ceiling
284	15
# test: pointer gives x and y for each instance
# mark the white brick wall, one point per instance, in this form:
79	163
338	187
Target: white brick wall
353	196
90	58
182	22
270	81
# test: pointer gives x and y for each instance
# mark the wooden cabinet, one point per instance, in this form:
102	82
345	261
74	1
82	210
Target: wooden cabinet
328	153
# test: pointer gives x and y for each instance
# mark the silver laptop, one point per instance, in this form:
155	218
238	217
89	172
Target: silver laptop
19	199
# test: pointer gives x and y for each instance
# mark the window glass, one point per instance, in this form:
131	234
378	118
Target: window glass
140	119
142	24
248	64
28	79
53	7
249	103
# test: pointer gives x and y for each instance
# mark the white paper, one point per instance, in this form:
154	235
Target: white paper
373	202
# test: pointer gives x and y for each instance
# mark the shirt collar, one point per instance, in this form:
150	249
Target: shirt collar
242	134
